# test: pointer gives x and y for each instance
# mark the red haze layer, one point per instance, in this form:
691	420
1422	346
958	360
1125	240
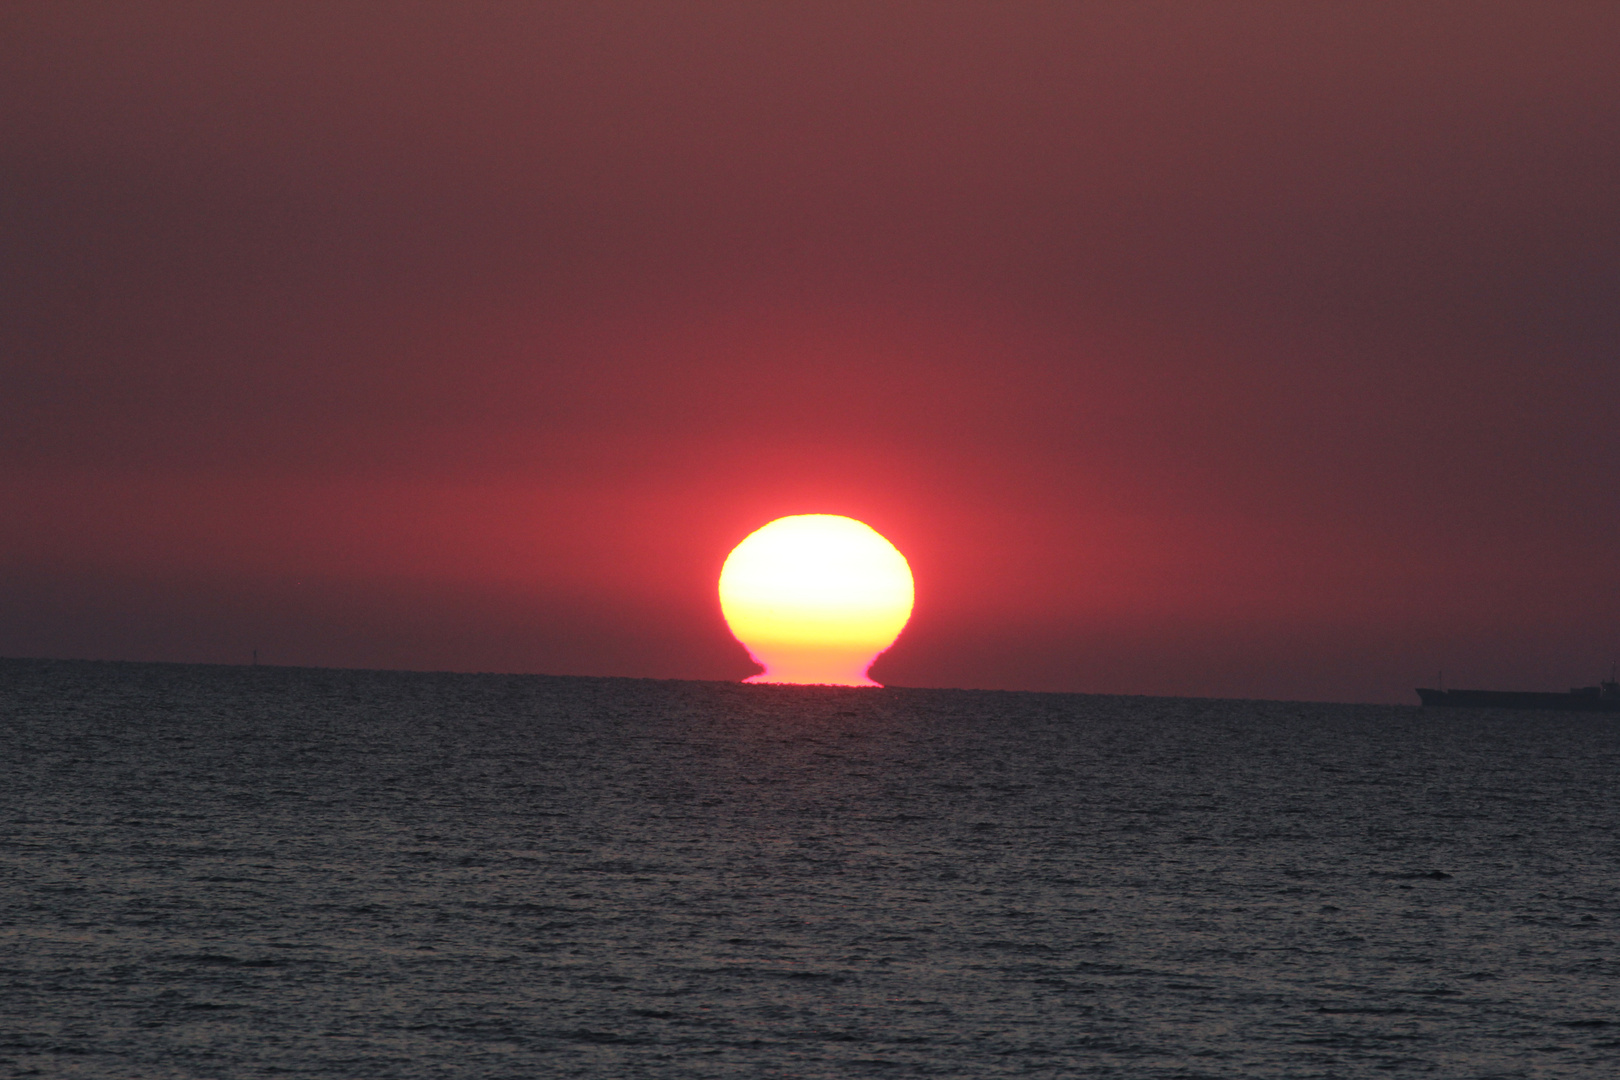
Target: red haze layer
1182	349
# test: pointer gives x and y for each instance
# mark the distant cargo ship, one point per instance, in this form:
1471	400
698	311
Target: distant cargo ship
1604	697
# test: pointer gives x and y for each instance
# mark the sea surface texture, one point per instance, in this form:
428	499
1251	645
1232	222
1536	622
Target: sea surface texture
219	872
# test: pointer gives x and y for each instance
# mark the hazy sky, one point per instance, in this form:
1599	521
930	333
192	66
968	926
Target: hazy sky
1238	349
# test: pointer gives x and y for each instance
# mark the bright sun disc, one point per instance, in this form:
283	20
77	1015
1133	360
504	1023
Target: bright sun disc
815	598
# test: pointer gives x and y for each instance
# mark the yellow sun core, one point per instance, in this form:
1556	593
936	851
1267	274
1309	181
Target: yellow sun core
815	598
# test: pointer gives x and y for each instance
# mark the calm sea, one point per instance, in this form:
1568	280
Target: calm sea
252	872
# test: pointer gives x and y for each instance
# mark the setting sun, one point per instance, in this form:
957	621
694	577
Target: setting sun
815	598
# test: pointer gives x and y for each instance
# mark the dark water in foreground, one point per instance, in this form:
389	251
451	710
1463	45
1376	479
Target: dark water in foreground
240	872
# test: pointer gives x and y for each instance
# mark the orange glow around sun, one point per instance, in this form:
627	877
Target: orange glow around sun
815	598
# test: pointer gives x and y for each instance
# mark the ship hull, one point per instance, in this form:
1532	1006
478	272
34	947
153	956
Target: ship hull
1518	699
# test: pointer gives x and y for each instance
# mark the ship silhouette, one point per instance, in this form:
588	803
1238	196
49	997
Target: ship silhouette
1605	697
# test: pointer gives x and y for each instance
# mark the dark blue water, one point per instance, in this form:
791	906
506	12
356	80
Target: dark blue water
256	872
